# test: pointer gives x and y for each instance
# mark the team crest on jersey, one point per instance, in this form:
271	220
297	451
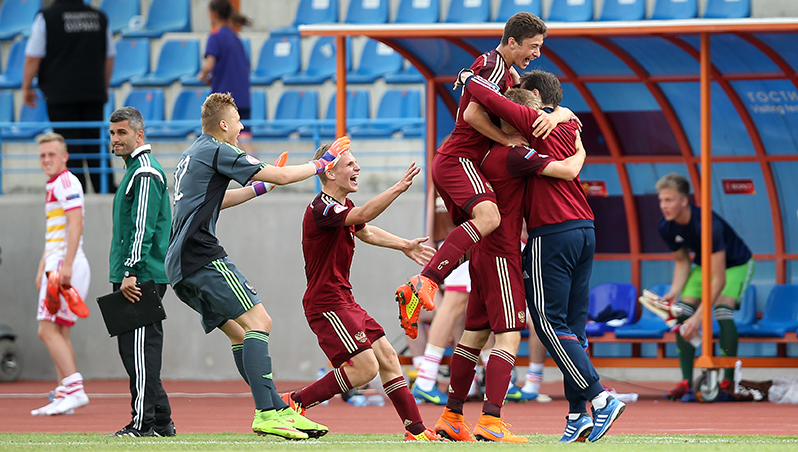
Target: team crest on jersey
251	289
339	208
360	337
522	316
252	160
487	184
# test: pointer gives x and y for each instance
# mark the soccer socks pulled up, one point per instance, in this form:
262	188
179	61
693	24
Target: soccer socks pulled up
462	374
498	373
258	367
685	348
534	376
334	382
404	404
238	358
73	383
428	370
728	336
457	243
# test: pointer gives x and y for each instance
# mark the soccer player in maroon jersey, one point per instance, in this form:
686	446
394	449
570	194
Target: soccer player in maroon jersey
345	331
455	169
558	258
497	303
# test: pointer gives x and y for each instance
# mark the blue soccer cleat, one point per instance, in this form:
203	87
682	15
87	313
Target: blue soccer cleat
516	394
435	396
605	417
578	430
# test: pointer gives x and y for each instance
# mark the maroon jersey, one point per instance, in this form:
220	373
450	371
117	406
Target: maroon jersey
548	200
465	140
328	247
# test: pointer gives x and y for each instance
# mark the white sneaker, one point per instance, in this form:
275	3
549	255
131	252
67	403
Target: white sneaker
43	410
69	402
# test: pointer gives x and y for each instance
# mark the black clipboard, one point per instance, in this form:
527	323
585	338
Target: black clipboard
121	315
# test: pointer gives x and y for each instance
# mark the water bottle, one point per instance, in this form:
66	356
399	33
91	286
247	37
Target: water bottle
357	400
319	376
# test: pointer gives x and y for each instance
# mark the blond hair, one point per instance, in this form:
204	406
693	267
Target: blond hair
213	110
674	181
52	136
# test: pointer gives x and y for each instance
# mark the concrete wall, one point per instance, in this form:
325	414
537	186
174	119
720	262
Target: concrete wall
262	237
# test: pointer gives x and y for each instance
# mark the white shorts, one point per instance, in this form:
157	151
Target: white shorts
81	277
459	280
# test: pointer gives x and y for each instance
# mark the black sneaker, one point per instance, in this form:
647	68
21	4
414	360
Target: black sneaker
131	431
167	429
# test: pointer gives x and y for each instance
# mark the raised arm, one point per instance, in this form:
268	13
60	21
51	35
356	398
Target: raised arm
376	205
414	249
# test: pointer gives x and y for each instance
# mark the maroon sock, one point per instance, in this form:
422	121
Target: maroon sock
335	382
461	375
404	404
457	243
498	372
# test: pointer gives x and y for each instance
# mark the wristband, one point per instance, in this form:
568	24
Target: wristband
260	188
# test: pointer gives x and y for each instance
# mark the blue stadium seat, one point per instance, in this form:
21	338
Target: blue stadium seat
610	297
132	60
16	17
178	57
120	12
727	9
367	12
279	56
11	77
571	11
188	106
415	12
623	10
6	106
463	11
376	60
257	104
28	114
150	102
164	16
675	9
310	12
357	107
408	75
295	107
507	8
110	105
650	325
322	64
192	80
780	314
396	105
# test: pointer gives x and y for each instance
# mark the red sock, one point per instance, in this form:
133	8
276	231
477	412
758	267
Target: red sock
497	378
462	374
457	243
335	382
404	404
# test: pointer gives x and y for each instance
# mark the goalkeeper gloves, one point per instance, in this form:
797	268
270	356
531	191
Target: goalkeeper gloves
333	154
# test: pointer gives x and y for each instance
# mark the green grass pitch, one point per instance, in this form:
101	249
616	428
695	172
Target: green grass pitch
333	442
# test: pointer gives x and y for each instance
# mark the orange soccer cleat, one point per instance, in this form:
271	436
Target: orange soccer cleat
74	301
453	426
292	404
419	292
51	299
491	428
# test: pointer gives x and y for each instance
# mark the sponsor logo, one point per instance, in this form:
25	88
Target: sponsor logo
73	196
267	376
360	336
454	429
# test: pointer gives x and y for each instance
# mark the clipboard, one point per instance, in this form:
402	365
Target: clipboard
121	315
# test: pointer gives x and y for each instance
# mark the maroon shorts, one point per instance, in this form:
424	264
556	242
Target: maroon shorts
345	332
461	186
497	301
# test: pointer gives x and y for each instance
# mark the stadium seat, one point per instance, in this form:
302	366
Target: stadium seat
110	105
744	317
6	106
322	64
368	12
192	80
463	11
294	109
408	75
610	297
416	12
376	60
11	77
727	9
396	105
780	314
16	17
28	114
571	11
188	106
623	10
164	16
132	60
257	105
507	8
649	325
279	56
120	12
675	9
310	12
357	107
178	57
149	102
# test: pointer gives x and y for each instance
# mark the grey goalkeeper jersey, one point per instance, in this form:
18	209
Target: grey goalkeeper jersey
201	178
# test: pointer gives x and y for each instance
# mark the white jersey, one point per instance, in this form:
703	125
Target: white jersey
64	193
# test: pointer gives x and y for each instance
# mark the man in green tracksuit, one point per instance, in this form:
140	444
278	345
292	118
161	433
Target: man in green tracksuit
142	223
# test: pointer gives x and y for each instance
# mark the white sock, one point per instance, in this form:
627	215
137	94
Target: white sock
533	378
428	370
600	401
574	416
73	383
417	360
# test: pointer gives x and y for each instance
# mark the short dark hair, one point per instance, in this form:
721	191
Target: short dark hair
319	153
547	85
213	109
675	181
131	115
522	26
224	9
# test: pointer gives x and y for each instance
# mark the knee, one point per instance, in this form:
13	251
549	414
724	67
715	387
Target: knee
487	218
363	372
